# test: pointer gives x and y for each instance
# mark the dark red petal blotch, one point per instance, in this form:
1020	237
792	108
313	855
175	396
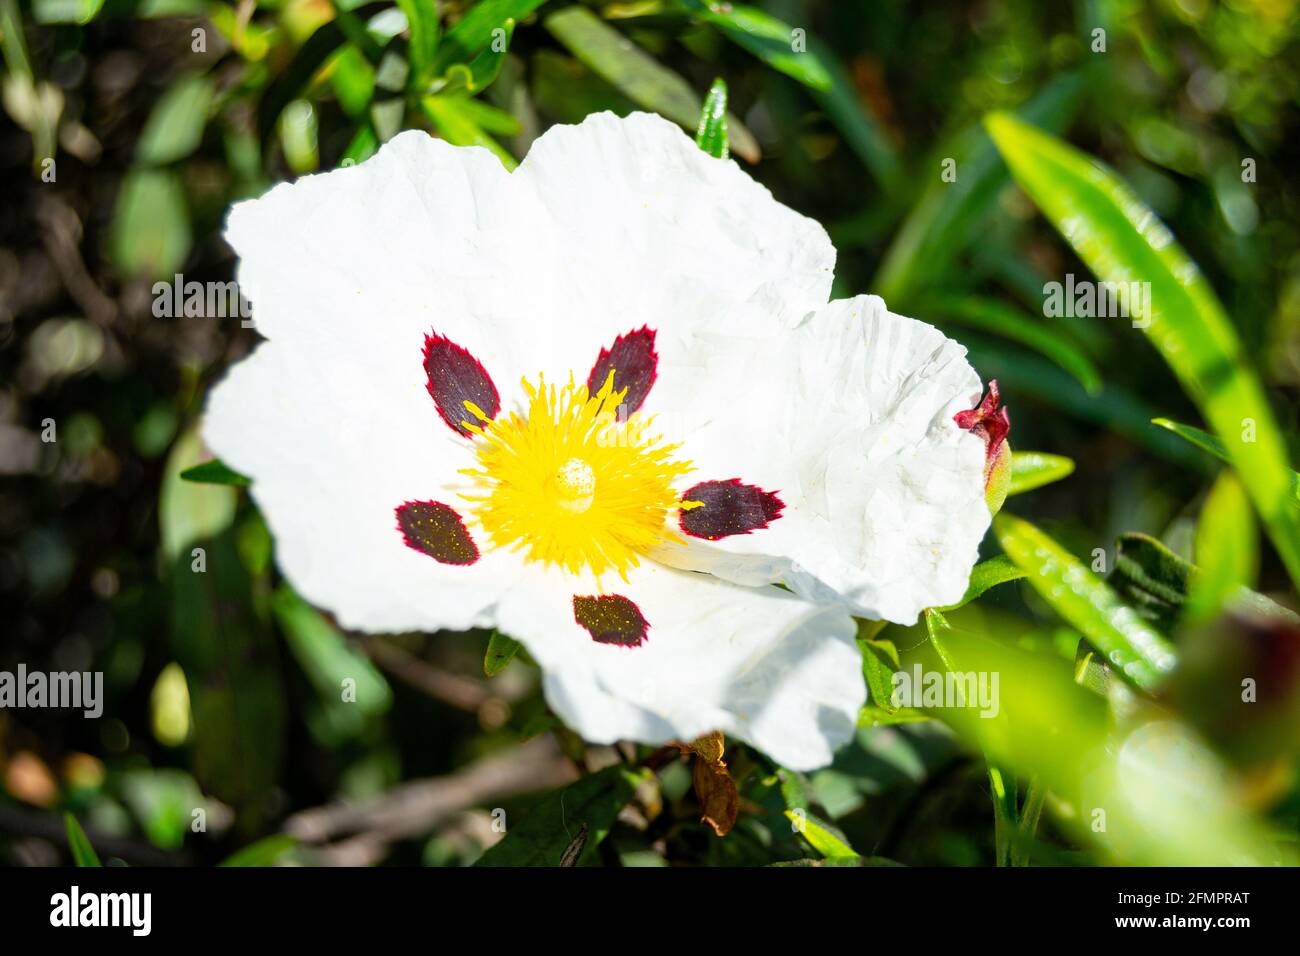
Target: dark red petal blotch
634	361
436	530
611	619
456	376
729	507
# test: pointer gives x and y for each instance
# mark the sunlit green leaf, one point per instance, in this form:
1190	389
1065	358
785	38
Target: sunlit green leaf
635	73
457	121
424	28
988	574
1226	549
475	31
1208	443
1086	602
820	835
762	34
66	11
1122	241
1033	469
711	134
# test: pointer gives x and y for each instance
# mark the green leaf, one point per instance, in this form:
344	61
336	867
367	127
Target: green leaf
66	11
988	574
265	852
879	674
290	83
150	235
473	33
1086	602
422	21
1033	469
215	472
823	838
1122	241
540	835
1208	443
501	651
457	121
1000	318
175	126
1151	578
1226	550
632	71
348	684
83	854
189	512
949	215
763	35
711	134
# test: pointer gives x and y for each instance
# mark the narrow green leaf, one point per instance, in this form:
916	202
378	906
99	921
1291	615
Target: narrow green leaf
265	852
474	32
1208	443
343	676
763	35
175	126
711	134
637	74
83	854
290	83
988	574
1008	321
1122	241
879	675
1086	602
1151	578
540	835
821	835
215	472
457	122
1226	550
949	215
501	651
1033	469
422	22
479	73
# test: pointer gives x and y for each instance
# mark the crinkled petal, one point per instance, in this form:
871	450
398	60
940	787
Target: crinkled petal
757	663
333	449
849	420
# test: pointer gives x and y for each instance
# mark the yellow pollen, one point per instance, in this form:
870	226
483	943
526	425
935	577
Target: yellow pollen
571	484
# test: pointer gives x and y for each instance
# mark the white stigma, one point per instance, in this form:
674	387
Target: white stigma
575	483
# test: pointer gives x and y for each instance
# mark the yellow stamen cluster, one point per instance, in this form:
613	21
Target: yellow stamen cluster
572	485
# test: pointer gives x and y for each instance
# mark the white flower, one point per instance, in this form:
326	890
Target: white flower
544	401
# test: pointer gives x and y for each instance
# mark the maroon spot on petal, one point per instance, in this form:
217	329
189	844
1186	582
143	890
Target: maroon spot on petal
728	507
455	377
986	420
611	619
436	530
634	361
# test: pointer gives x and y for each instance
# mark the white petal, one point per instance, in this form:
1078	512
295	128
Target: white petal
333	449
848	419
647	229
757	663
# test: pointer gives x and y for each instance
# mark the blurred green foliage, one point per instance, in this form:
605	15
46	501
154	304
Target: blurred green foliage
1134	596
